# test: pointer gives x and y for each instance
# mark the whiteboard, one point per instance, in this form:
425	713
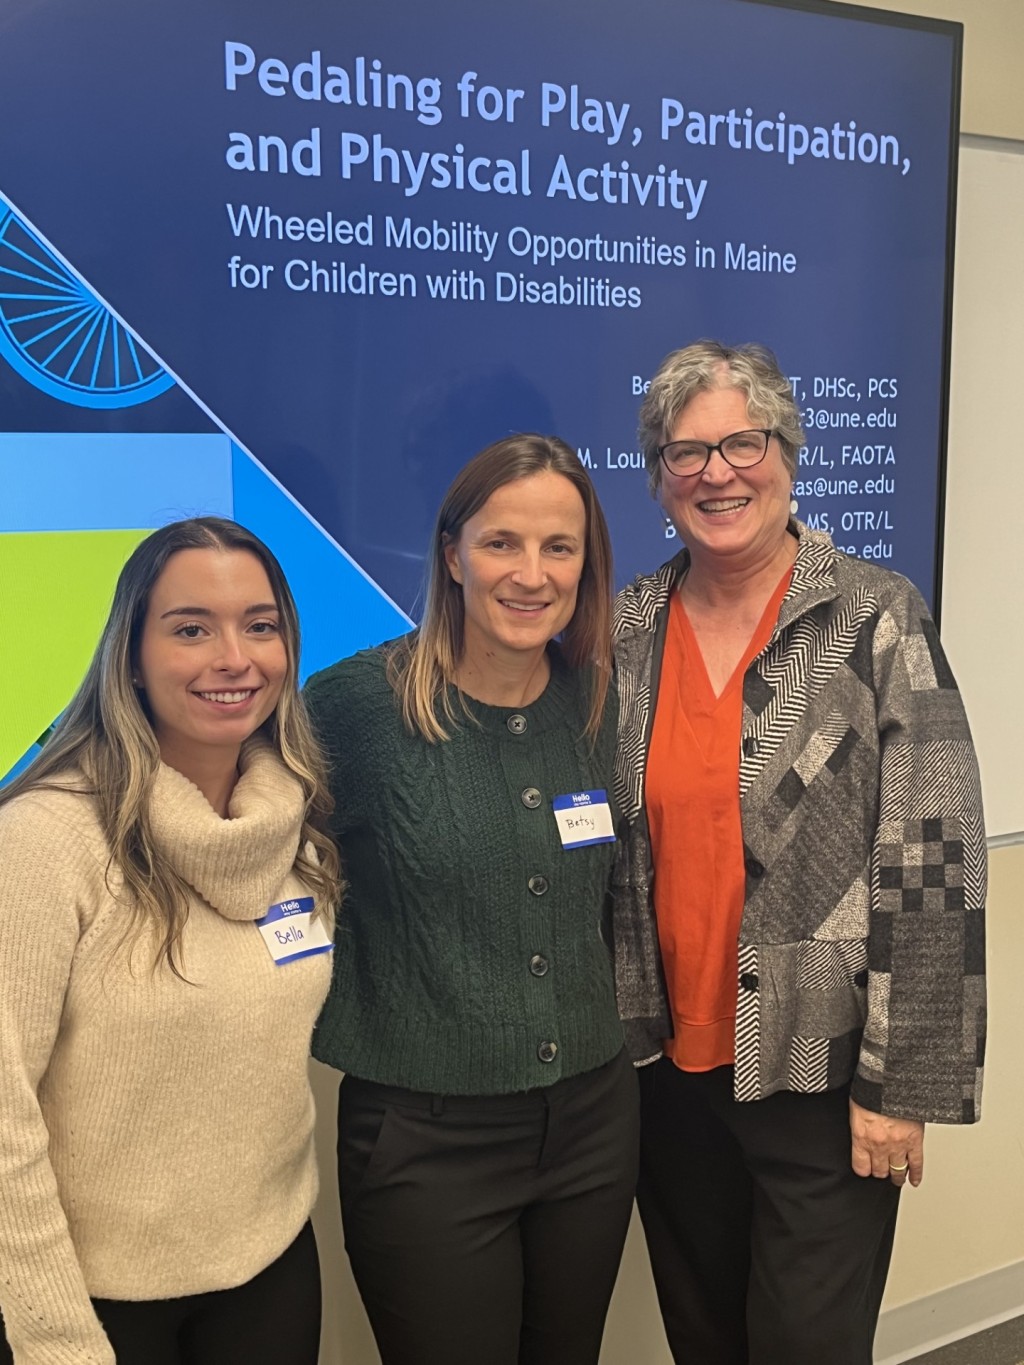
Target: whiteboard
983	581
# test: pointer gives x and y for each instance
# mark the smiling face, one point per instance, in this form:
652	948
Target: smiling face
211	660
519	561
722	512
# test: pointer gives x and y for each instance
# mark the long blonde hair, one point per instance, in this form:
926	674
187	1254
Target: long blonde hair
105	743
422	664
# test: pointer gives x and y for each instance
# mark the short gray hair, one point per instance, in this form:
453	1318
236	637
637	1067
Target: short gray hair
706	365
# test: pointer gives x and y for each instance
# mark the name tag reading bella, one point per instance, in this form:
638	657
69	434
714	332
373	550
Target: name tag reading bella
584	818
288	932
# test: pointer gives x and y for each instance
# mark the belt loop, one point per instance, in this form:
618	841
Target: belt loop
437	1105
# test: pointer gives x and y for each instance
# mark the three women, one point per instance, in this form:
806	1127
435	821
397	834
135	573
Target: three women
795	767
160	859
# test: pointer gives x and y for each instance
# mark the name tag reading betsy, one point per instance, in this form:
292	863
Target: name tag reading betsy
584	818
288	932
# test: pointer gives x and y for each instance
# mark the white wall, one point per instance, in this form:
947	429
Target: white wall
983	569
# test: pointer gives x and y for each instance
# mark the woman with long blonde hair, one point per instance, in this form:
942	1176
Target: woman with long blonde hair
488	1117
166	903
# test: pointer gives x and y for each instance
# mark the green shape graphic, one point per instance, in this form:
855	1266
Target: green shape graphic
55	591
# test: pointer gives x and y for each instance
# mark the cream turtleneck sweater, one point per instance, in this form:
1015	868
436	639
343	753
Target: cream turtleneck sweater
156	1135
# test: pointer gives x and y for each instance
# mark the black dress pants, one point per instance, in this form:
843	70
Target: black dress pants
488	1230
766	1248
272	1319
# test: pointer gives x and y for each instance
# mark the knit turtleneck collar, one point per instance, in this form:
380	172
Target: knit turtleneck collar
237	865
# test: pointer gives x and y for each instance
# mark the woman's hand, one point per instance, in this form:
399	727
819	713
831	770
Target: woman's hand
885	1147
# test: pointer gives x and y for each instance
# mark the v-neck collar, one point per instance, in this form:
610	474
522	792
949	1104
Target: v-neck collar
678	614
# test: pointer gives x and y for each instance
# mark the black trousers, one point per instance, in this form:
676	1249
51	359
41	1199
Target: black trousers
488	1230
272	1319
766	1248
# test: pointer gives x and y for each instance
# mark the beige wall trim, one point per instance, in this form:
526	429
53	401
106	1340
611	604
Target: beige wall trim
1006	840
1012	145
936	1320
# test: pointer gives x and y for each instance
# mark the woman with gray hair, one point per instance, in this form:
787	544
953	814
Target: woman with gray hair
799	901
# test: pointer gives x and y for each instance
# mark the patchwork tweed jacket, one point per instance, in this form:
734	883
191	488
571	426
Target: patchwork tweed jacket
862	948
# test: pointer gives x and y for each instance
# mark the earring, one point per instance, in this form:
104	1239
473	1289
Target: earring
793	505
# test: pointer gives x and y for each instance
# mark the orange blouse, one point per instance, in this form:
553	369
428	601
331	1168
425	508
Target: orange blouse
693	811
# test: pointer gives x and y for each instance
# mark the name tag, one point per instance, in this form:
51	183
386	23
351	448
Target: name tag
288	932
584	818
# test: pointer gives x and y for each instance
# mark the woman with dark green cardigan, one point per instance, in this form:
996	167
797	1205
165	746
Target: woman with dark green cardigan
488	1116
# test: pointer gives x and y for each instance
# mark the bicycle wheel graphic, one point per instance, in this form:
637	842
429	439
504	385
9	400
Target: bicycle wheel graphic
58	335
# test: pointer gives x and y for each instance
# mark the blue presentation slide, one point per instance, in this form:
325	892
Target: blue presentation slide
361	242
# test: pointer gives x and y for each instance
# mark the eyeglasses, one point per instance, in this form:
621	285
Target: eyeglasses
741	450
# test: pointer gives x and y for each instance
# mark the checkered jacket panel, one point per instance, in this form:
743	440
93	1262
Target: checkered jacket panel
862	938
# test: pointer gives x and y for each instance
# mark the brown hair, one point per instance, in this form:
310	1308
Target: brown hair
423	664
105	734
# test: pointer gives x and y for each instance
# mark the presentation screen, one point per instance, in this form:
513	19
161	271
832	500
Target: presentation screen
296	264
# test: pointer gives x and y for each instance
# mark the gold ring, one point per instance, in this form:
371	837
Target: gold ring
899	1170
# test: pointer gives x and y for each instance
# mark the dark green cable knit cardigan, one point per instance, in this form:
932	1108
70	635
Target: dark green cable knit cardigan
471	951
